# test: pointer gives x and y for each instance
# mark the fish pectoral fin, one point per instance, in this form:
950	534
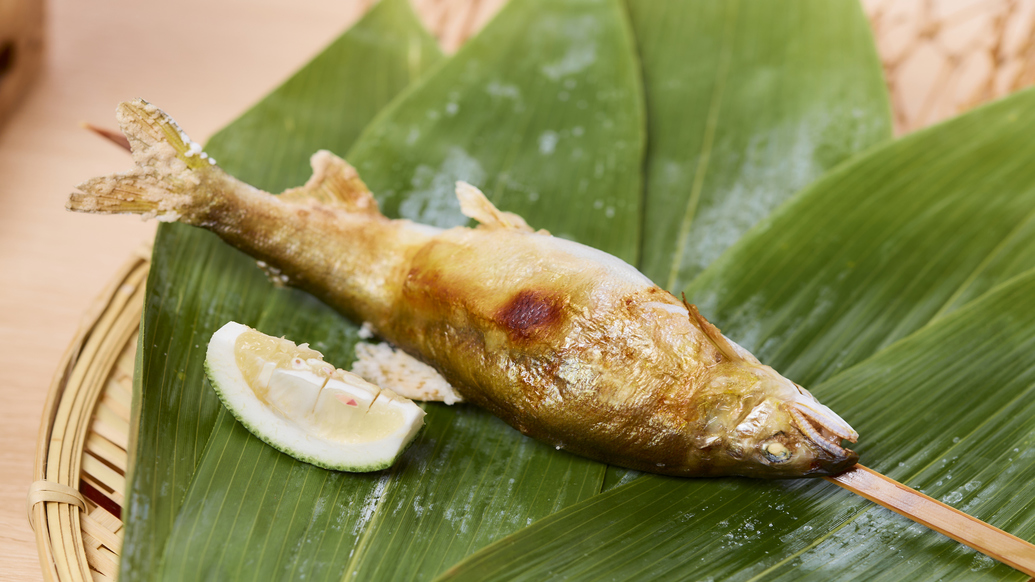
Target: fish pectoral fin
335	183
474	204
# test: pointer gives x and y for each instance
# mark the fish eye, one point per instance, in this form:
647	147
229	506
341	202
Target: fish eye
776	452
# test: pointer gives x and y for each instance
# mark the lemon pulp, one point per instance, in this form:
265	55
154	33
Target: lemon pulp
289	397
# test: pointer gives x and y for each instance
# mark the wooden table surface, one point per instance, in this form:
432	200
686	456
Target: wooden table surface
205	61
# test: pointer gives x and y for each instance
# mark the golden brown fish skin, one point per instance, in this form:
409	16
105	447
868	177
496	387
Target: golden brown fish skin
349	261
567	344
615	371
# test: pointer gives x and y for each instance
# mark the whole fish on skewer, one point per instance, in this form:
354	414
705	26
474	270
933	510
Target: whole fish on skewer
566	343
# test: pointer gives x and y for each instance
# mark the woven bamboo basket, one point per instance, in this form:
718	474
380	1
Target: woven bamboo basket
75	503
939	59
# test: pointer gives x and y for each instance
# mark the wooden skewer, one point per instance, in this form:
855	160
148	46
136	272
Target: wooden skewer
114	137
966	529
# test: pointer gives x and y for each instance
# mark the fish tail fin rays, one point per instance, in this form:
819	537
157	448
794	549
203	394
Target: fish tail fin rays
474	204
336	183
169	170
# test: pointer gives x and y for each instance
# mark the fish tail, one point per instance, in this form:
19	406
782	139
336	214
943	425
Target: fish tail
173	178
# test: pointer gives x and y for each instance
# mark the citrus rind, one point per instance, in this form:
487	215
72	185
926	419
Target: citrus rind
318	415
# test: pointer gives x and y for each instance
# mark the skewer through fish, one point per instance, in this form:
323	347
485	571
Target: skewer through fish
564	342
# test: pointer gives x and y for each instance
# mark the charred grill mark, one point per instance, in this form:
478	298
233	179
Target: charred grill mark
530	314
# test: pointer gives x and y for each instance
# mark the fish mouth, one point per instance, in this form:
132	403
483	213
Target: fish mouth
821	425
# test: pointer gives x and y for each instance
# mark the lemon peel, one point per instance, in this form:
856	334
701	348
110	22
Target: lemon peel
286	395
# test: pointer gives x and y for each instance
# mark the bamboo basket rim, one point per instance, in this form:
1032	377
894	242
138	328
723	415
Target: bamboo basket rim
65	511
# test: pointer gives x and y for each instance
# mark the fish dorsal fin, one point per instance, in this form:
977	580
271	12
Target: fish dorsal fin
475	205
712	332
335	183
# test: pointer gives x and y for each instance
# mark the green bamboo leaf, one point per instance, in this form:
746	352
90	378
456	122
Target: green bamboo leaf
964	387
260	518
1014	256
196	283
876	248
748	102
328	103
972	376
542	110
270	513
873	250
468	479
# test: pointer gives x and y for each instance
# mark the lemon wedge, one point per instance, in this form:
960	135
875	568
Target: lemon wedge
286	395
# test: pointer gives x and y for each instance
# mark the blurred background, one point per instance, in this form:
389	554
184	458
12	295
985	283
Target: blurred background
65	62
942	57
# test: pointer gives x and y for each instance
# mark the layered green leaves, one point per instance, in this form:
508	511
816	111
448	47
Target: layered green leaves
468	479
196	283
875	249
945	410
543	108
972	376
746	102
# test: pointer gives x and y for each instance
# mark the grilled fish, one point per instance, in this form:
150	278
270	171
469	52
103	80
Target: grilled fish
566	343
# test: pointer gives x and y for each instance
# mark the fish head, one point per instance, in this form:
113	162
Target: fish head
777	428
